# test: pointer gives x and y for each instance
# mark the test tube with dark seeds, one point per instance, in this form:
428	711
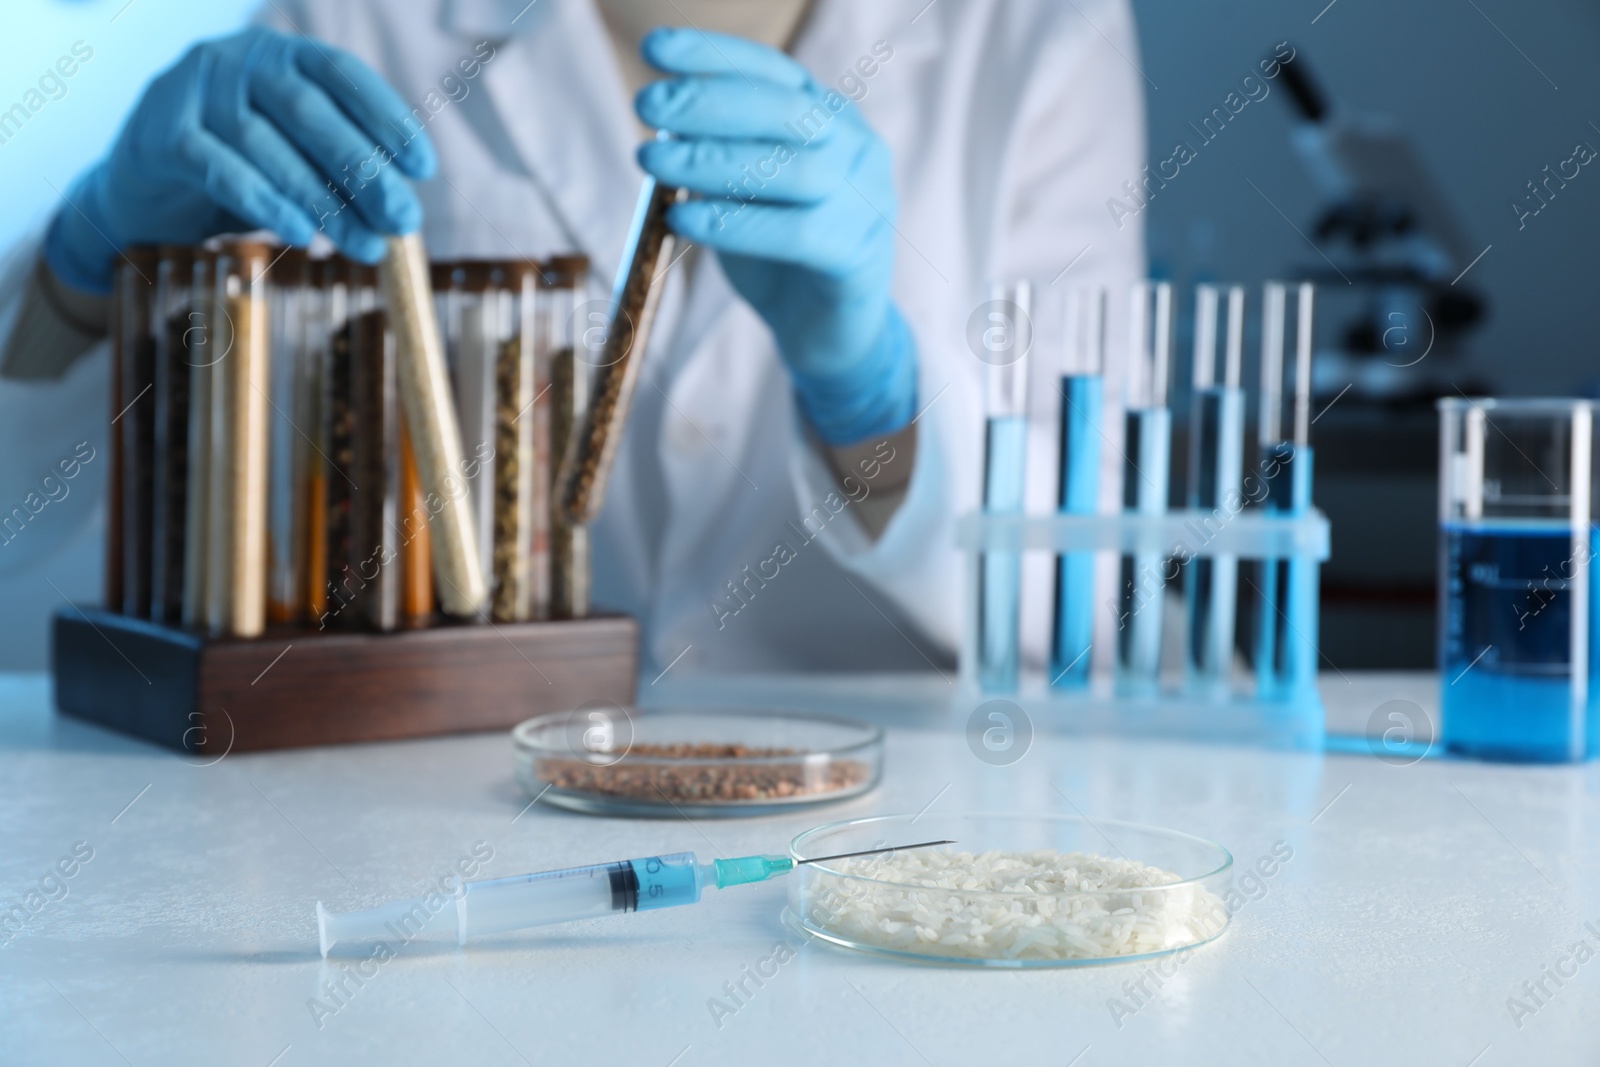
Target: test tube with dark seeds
136	423
174	283
377	472
327	317
634	298
287	289
341	585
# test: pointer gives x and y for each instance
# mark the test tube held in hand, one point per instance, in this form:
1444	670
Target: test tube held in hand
1078	483
1285	639
430	416
1216	446
1007	343
1147	443
634	297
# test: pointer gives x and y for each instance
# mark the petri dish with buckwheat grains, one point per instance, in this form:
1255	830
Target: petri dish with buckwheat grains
602	759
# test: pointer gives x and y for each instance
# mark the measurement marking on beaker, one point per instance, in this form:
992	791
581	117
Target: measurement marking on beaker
130	804
1332	802
1469	666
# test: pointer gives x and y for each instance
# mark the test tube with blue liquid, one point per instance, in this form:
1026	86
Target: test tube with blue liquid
1006	342
1216	445
1147	445
1517	640
1082	403
1285	638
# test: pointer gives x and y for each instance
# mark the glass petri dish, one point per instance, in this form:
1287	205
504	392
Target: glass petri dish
876	907
668	762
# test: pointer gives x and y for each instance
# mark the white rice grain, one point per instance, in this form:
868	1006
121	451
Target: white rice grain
1039	905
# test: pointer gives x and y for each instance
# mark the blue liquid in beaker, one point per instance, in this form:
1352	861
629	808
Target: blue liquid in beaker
1510	689
1000	573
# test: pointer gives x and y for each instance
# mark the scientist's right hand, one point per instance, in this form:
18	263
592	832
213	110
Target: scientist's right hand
259	130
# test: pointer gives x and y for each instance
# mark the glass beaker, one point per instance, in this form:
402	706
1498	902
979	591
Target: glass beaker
1516	598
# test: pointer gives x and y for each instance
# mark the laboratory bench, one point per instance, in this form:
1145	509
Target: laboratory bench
1387	910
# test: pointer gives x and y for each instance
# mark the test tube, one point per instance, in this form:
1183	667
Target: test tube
425	394
288	280
326	318
376	453
645	262
562	281
569	395
174	322
236	561
204	342
1286	618
511	297
1082	402
1004	479
475	312
416	546
1147	443
342	585
1216	444
136	423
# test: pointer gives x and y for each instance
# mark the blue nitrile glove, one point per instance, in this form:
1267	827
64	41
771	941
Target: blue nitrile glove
797	197
255	131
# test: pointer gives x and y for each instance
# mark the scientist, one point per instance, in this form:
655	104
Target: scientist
808	424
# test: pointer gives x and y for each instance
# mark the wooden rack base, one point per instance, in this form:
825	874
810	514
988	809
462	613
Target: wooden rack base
292	688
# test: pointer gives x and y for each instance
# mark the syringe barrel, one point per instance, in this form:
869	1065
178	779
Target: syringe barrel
526	900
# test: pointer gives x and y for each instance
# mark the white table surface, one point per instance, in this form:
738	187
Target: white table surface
1418	900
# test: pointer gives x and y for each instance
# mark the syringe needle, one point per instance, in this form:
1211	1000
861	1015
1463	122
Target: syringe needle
875	851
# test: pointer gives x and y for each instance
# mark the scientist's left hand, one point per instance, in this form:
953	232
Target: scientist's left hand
797	197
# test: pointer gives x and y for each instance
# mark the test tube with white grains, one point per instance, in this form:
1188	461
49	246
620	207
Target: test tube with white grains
431	424
1147	443
1216	445
1286	618
1006	346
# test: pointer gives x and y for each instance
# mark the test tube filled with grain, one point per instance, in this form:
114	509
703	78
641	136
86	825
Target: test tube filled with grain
431	421
136	423
204	340
236	585
169	491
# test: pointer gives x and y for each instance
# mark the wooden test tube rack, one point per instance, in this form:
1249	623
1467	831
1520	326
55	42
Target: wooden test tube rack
204	689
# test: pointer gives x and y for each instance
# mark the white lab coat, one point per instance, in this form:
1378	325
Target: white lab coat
1011	122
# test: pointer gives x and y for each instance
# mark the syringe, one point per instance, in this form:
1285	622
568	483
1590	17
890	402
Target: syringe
1216	444
520	901
1286	618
